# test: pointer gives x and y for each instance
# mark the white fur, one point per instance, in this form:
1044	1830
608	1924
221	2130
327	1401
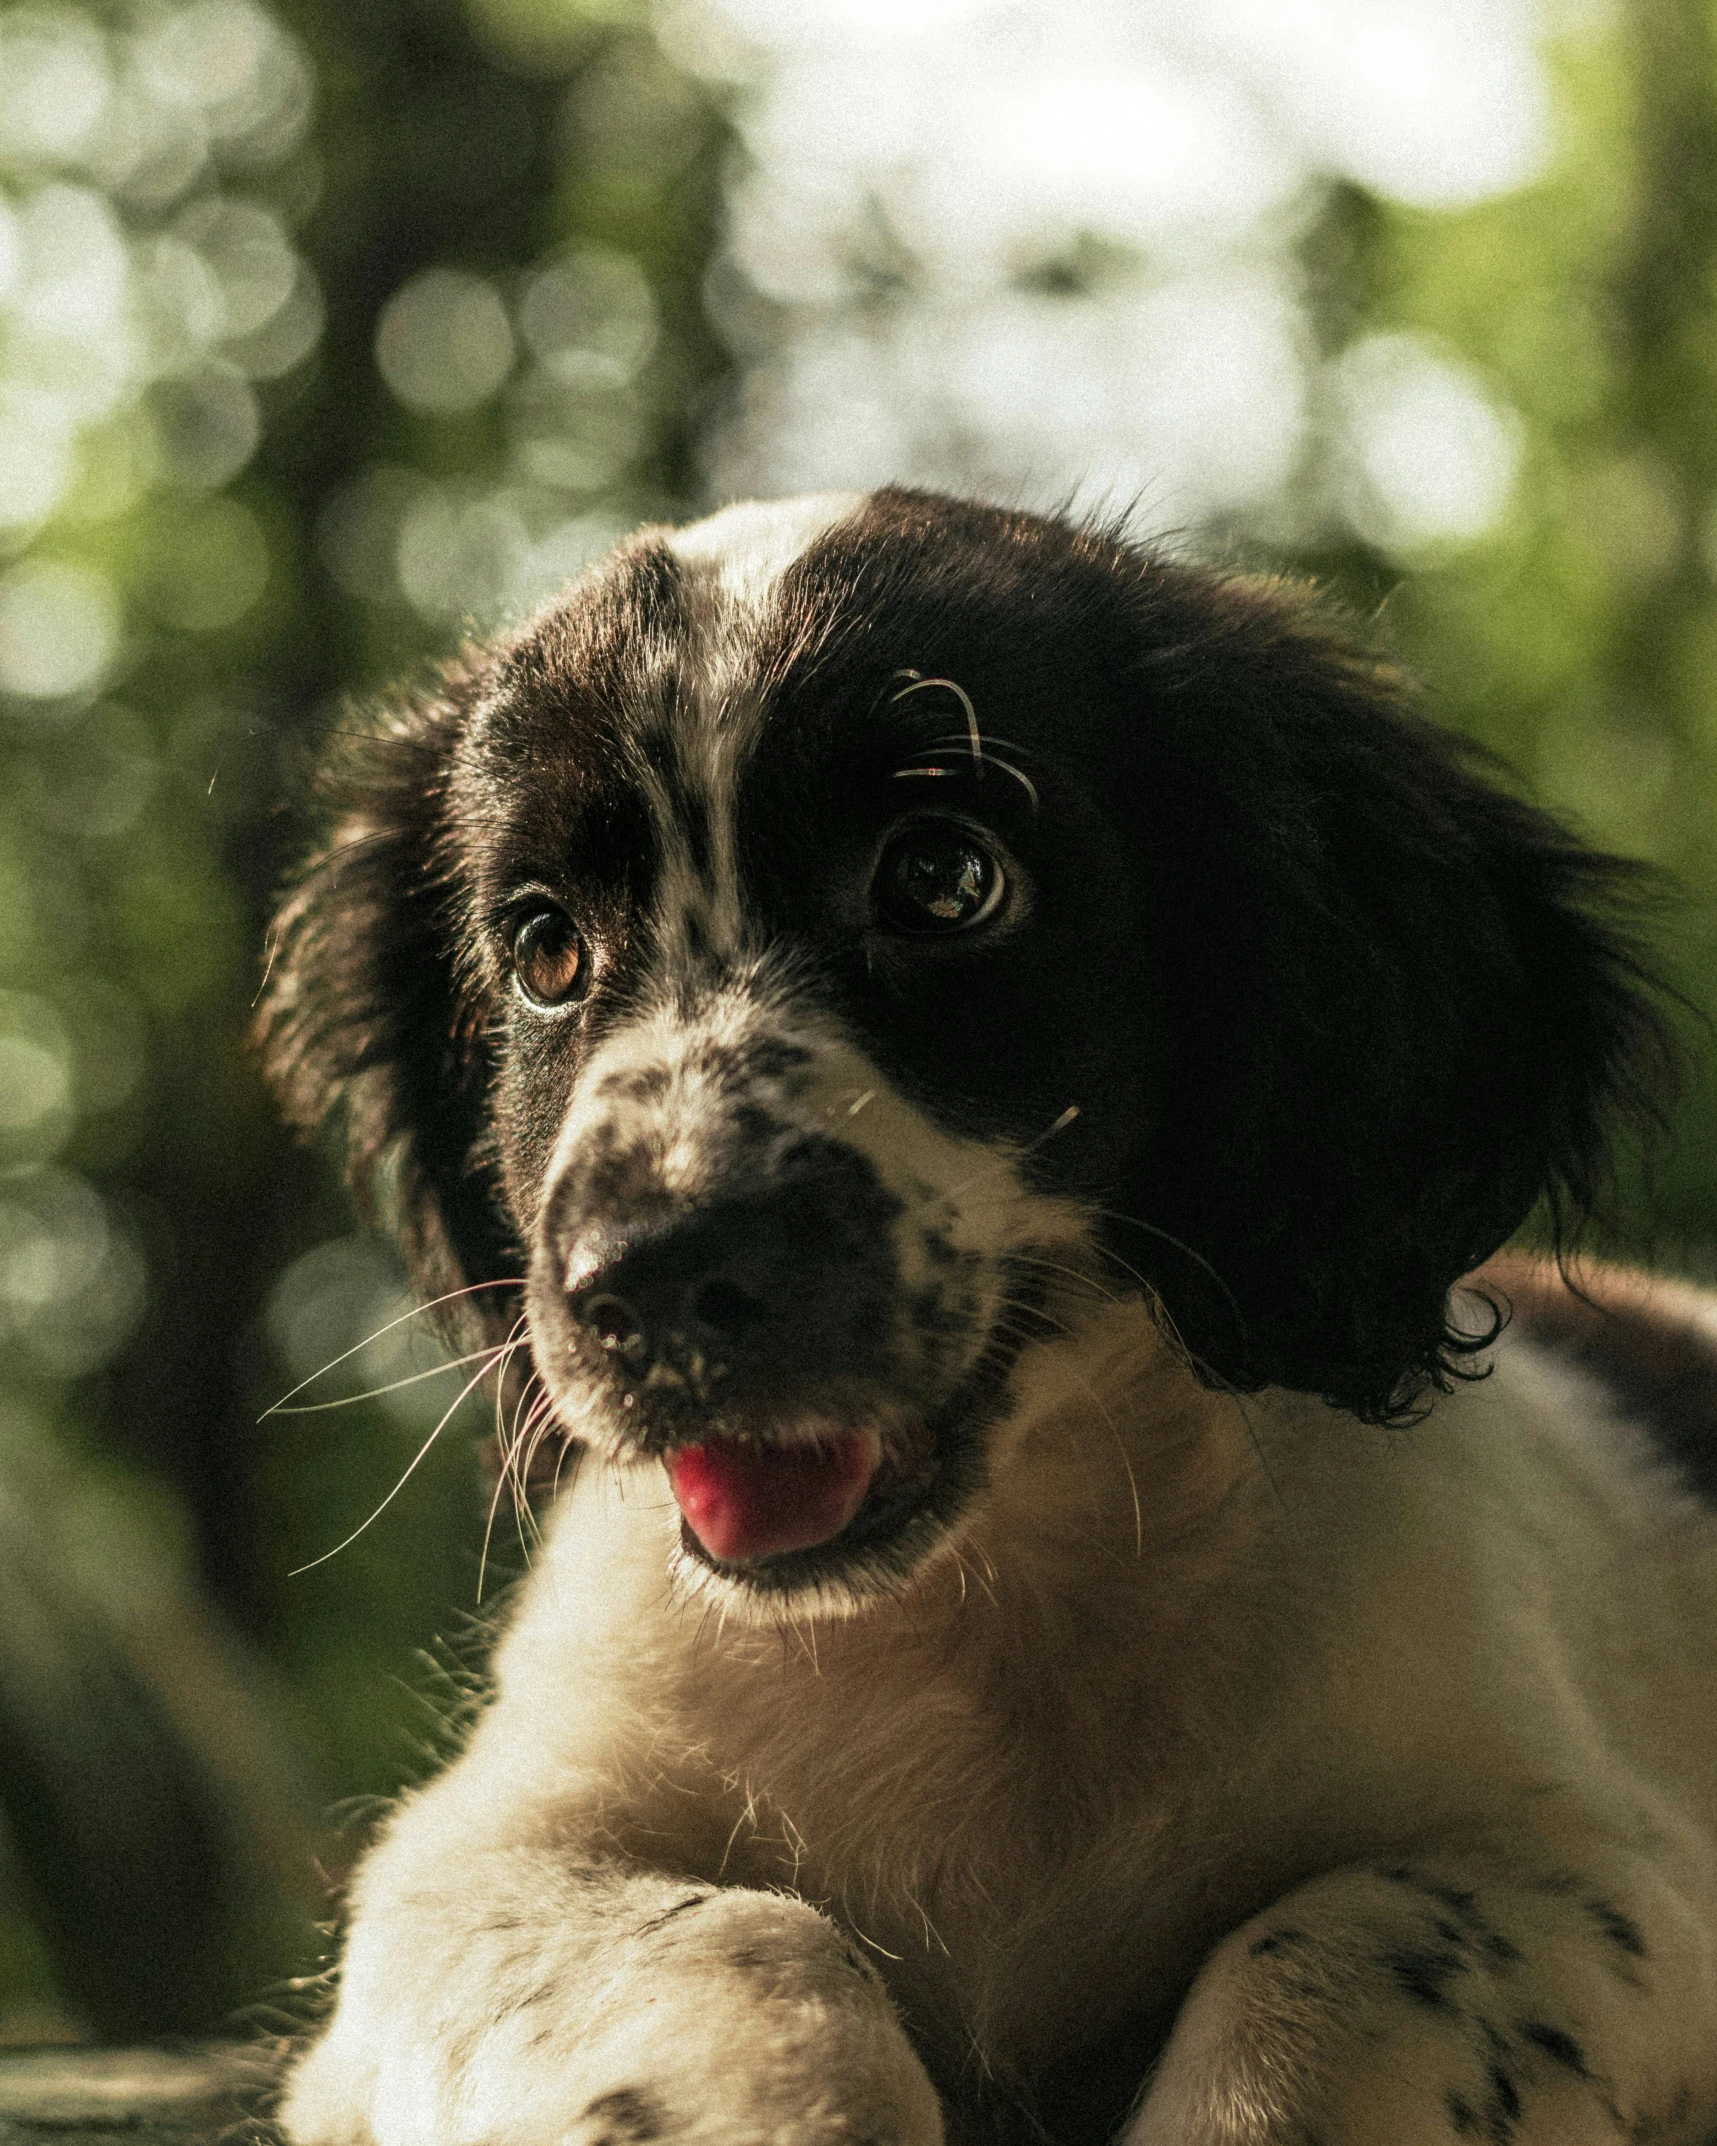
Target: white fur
1192	1657
731	564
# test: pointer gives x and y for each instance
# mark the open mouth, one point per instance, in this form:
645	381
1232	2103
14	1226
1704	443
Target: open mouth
782	1516
741	1503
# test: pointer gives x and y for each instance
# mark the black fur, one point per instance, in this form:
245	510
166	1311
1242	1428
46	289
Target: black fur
1337	1011
361	1006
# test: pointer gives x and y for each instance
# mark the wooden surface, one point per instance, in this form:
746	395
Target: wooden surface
190	2096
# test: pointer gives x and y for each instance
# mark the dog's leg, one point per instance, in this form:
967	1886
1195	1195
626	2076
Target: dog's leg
1525	2000
543	1993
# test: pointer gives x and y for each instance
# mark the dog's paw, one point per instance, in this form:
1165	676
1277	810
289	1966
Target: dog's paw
745	2020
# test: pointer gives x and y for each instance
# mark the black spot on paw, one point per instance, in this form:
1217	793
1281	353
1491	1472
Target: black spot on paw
1264	1948
1422	1974
680	1907
1505	2095
1462	1905
1496	2121
1502	2107
1462	2115
1494	2039
627	2117
1560	2048
1619	1929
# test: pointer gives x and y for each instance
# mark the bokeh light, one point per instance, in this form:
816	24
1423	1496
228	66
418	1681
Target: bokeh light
1433	459
59	627
444	342
1114	198
71	1279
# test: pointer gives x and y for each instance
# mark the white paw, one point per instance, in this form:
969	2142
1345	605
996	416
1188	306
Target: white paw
745	2020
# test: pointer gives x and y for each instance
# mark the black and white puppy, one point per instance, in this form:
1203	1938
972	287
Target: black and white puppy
974	1057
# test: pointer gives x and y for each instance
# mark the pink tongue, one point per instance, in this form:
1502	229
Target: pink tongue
748	1501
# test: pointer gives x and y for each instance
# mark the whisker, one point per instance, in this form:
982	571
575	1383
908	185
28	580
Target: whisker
566	1447
1110	1214
1018	1155
991	758
925	685
528	1436
497	1356
524	1511
332	857
979	1581
1113	1429
1072	1274
489	1532
513	1342
538	1425
272	948
514	1467
375	1393
518	1467
1205	1372
416	1311
1127	1268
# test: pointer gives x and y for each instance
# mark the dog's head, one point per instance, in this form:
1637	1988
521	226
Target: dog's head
826	935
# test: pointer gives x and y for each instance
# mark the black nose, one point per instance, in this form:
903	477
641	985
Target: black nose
795	1279
672	1302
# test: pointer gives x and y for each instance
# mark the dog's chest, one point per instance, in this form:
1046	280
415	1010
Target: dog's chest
943	1827
984	1793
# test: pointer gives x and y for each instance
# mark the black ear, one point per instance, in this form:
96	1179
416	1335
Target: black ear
1407	1007
362	1012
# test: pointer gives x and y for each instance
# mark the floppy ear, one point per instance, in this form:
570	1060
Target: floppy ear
1407	1008
362	1012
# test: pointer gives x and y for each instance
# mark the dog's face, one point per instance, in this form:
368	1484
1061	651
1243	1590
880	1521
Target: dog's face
829	932
788	955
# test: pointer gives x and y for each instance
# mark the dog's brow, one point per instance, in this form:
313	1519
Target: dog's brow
974	737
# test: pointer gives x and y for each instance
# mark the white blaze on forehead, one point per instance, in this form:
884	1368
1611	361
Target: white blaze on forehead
744	550
730	566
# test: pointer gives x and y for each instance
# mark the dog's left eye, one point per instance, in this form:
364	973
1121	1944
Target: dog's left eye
549	966
937	879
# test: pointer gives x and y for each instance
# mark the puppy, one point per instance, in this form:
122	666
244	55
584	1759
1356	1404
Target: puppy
968	1058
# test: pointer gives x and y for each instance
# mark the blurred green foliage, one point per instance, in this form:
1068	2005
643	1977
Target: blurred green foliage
326	331
189	599
1578	637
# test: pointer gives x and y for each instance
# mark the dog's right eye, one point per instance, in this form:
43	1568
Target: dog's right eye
549	967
